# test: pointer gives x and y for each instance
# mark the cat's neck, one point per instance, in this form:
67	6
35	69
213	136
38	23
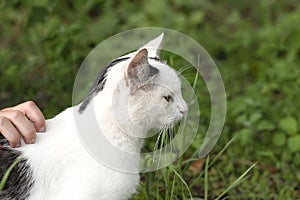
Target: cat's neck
100	135
117	128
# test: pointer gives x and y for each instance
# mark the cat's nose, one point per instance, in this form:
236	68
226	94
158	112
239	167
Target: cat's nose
184	110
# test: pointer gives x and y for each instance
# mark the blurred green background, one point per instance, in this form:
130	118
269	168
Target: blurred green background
255	44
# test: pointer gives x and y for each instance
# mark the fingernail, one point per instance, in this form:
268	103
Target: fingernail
16	145
32	140
43	129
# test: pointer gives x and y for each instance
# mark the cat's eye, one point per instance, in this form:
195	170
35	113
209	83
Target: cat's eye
168	98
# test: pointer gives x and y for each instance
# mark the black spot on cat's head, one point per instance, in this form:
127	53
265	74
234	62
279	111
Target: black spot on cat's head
156	58
98	84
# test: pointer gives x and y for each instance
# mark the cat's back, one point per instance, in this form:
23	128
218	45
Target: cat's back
59	167
38	166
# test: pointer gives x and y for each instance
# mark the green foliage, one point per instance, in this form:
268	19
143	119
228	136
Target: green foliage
256	45
289	125
294	143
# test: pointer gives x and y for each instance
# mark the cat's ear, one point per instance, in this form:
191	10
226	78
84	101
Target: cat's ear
154	46
139	70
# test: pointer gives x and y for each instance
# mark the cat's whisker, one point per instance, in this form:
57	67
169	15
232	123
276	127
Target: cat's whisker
161	145
175	149
168	140
156	146
170	133
171	139
184	68
156	158
157	140
192	75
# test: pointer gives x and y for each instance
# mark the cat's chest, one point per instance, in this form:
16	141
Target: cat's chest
87	179
105	182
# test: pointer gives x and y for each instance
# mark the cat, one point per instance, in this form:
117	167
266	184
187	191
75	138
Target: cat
58	166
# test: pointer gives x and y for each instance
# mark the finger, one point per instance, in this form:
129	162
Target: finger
21	123
34	114
10	132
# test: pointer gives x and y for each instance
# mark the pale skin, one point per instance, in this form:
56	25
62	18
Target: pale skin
21	121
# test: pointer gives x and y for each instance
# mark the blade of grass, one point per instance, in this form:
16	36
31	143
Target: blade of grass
149	177
222	151
213	161
166	174
206	179
173	186
6	175
237	181
183	181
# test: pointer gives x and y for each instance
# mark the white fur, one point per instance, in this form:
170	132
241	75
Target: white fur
63	169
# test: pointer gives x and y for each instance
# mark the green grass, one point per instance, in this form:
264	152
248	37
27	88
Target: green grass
255	44
6	175
177	182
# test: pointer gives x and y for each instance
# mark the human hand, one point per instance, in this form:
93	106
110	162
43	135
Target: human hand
22	120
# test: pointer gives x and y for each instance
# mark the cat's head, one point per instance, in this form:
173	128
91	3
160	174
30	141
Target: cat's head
144	91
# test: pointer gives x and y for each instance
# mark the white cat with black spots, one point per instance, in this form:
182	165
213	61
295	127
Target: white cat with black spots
132	95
